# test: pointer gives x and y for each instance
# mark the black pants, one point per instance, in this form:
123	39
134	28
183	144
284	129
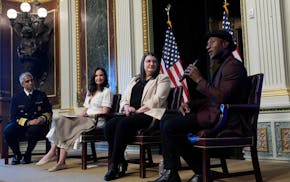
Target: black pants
174	130
13	132
119	132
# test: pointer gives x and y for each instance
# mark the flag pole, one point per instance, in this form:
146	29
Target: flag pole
167	9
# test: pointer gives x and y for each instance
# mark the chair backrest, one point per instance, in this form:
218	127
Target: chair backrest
250	112
116	103
174	98
256	83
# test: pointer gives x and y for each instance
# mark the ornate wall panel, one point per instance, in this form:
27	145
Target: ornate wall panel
262	137
283	139
95	31
264	141
42	60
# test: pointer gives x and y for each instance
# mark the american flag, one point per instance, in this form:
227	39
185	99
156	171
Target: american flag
171	64
227	27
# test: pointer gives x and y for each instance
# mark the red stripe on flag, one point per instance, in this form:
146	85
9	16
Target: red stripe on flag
171	63
175	66
171	78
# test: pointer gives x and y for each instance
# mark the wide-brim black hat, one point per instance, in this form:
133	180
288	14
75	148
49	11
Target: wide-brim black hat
222	34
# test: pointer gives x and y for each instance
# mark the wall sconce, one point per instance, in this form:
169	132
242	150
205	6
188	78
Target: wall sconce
33	36
25	8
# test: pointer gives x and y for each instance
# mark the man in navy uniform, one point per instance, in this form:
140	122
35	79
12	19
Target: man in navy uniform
31	113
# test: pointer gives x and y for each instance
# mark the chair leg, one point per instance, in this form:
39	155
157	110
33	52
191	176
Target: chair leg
109	156
205	166
84	155
224	165
256	166
5	152
94	154
57	153
149	156
47	145
142	169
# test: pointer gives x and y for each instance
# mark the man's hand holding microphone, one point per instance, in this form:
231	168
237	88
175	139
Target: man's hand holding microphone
192	72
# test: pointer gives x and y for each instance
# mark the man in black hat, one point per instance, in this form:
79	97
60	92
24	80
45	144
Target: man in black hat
228	84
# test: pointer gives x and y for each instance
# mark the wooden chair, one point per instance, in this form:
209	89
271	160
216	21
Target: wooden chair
226	140
146	138
97	134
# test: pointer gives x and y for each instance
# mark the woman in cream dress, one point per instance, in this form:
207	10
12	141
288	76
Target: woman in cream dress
65	131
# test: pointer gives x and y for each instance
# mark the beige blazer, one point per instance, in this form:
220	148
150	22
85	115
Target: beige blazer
154	95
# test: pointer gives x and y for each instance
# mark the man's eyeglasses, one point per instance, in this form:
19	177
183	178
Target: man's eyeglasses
27	81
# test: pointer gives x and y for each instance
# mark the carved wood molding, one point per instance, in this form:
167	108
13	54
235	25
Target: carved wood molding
78	61
145	25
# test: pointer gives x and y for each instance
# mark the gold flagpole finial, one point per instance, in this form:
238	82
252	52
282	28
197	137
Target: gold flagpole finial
225	6
167	9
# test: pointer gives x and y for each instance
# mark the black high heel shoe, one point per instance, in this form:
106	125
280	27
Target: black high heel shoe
123	168
111	175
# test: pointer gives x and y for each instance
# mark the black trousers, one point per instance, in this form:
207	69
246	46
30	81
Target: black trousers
119	132
13	132
174	130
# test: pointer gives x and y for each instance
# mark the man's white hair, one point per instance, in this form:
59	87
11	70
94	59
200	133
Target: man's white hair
21	77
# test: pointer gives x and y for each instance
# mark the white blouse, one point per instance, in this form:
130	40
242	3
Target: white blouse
95	103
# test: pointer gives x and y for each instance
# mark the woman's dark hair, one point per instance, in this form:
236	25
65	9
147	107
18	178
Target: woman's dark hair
142	70
93	87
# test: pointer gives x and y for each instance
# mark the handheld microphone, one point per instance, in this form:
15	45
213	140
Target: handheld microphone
183	76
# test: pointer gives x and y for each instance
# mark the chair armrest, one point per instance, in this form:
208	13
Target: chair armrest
171	111
154	128
224	108
108	115
249	107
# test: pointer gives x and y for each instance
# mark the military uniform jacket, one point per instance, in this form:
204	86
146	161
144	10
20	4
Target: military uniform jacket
24	108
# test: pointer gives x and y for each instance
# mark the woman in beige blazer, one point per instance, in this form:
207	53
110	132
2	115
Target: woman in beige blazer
144	102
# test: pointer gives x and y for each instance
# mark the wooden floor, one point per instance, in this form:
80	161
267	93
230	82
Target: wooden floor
272	171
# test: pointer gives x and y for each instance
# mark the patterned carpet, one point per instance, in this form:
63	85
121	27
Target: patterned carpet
272	171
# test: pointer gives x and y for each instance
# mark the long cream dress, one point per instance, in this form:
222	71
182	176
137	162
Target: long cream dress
65	131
